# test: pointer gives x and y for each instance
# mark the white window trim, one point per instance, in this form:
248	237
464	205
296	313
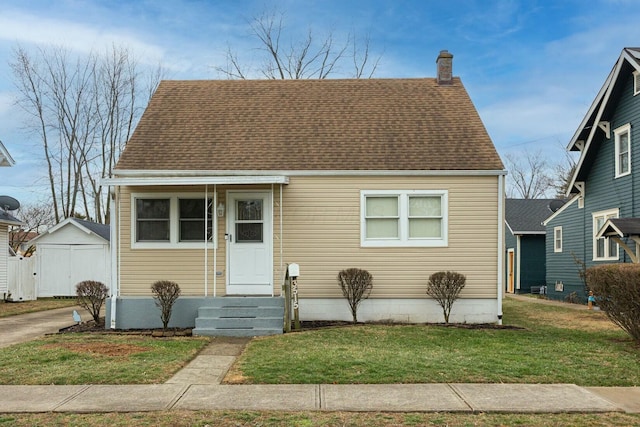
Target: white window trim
636	83
617	132
403	240
556	239
610	213
174	221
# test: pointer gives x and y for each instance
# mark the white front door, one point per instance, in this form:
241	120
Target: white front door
249	249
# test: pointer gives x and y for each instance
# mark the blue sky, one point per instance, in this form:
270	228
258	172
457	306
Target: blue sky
532	68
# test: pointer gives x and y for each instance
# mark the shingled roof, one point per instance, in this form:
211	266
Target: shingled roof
306	125
525	216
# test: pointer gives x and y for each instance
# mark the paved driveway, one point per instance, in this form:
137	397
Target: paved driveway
25	327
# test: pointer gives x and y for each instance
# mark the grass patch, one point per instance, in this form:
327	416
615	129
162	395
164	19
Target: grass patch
314	419
96	359
41	304
557	345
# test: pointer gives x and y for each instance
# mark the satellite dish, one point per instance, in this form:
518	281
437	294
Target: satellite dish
8	203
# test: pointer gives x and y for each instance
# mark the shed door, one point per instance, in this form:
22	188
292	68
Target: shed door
249	262
62	267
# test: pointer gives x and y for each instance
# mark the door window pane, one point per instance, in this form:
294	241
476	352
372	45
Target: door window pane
249	221
249	232
249	210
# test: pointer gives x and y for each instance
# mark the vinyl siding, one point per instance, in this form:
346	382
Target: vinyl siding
561	266
4	244
321	232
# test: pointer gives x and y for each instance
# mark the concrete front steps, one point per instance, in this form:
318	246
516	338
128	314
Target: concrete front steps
241	317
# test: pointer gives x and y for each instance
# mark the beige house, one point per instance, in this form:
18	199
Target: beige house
224	183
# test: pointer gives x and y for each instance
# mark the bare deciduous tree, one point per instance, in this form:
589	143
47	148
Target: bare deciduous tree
35	218
530	175
307	58
83	110
564	170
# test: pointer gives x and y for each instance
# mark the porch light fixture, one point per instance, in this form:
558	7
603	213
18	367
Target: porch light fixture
220	209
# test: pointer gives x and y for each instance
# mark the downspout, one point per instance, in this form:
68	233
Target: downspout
114	231
214	224
501	180
273	282
281	222
206	240
518	243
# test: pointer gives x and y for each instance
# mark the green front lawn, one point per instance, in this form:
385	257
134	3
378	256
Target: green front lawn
96	359
556	345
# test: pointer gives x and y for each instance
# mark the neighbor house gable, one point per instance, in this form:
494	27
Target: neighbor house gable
596	124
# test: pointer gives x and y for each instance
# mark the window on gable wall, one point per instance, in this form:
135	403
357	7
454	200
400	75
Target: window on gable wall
163	221
636	83
604	248
404	218
557	239
623	150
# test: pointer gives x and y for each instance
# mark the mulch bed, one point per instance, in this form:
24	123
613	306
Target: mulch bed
90	326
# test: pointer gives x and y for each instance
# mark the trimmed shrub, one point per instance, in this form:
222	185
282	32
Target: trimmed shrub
617	291
445	287
165	293
356	285
91	295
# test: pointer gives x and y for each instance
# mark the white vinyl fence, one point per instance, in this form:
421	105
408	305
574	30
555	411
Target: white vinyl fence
21	278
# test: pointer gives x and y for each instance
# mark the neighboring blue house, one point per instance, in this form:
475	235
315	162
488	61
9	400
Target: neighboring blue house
604	187
525	243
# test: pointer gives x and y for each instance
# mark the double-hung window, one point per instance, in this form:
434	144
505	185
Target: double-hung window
557	239
604	248
623	150
403	218
172	220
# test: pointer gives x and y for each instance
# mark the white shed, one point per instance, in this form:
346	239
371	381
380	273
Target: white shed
70	252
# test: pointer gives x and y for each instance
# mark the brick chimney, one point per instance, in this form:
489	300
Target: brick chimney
445	67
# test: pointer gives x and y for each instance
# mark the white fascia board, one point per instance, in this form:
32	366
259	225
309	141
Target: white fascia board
166	177
5	157
562	209
529	233
61	224
195	180
10	222
606	226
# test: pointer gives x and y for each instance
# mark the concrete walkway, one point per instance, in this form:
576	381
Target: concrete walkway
198	387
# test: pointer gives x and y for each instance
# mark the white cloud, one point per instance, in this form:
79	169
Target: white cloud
23	28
